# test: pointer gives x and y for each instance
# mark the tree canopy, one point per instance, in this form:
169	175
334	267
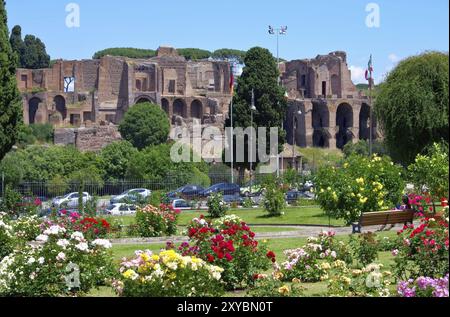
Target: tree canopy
412	105
125	52
10	102
229	54
31	52
260	74
145	124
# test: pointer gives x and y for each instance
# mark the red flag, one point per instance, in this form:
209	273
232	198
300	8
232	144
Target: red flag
231	80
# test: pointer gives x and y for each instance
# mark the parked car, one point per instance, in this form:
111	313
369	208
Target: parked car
187	192
70	200
181	204
223	188
120	209
294	195
131	195
251	189
230	199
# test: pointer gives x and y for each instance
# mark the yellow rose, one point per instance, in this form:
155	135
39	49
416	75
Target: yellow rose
284	290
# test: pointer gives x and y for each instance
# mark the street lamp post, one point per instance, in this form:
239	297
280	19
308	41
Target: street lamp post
294	128
278	31
252	108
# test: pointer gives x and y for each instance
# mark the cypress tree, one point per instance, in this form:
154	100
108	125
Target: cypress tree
10	102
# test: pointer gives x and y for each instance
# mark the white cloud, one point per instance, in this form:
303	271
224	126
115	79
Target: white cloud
358	75
393	58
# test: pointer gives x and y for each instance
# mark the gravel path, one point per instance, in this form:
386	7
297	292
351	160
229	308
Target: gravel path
300	232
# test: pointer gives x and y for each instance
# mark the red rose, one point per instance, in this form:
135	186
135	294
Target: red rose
210	258
228	257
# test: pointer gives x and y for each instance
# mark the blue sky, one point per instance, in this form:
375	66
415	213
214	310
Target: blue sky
407	27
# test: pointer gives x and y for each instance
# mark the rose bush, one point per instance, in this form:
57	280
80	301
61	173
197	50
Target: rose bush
168	274
155	222
424	287
230	244
365	247
6	236
361	185
44	267
423	250
273	286
310	263
91	227
26	228
370	281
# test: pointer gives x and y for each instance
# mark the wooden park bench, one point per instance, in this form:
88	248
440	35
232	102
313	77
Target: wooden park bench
383	218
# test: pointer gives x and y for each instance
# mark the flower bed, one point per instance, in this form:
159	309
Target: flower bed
49	266
168	274
156	222
91	227
230	244
424	287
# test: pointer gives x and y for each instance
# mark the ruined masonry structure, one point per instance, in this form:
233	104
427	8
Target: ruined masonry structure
85	99
333	111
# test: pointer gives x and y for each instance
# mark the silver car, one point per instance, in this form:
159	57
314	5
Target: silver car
70	200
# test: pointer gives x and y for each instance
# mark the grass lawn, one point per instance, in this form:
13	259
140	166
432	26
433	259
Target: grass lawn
276	245
292	216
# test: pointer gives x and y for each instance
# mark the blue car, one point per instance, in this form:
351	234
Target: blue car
223	188
187	192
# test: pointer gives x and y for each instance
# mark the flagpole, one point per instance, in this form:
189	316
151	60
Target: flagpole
371	111
232	143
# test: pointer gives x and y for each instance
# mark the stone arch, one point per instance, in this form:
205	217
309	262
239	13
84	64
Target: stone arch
344	123
143	99
364	118
320	116
179	108
165	105
33	106
60	106
335	85
197	109
321	138
320	124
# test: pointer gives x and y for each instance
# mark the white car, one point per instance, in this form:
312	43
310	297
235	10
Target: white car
70	200
120	209
131	195
180	204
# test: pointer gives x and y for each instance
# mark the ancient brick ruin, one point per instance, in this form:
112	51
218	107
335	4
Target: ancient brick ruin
94	93
333	111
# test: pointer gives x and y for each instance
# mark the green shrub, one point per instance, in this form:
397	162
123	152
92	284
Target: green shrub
364	247
362	184
216	206
269	286
274	201
431	171
6	236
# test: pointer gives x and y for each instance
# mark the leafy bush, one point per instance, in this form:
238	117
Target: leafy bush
156	222
230	244
365	247
431	172
274	200
423	250
216	206
361	185
362	148
115	158
42	269
168	274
